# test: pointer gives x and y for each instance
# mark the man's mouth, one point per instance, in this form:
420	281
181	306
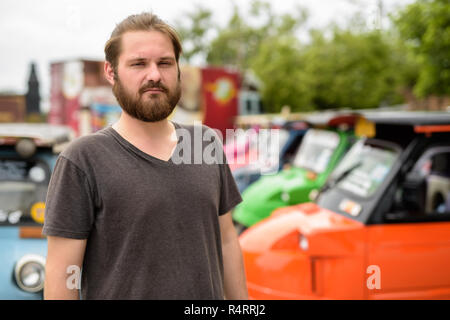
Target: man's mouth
159	88
153	89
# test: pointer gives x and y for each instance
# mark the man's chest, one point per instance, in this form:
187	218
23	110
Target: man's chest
141	189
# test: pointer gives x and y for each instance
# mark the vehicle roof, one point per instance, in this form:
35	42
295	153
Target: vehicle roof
400	117
332	118
42	133
407	117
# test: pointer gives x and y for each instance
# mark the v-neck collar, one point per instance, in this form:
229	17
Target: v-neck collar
141	153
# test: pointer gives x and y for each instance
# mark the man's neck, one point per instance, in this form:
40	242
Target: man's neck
137	131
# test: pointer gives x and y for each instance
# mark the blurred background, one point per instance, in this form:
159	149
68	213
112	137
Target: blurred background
298	55
302	66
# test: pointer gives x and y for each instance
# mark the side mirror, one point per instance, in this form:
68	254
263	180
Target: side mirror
414	193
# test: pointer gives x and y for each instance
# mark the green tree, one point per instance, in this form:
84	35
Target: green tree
194	29
280	67
238	43
266	43
425	26
352	70
233	44
355	67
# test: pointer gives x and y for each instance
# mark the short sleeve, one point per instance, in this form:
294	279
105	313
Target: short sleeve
69	208
230	195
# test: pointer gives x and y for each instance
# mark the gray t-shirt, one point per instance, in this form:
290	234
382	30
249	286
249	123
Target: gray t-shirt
152	225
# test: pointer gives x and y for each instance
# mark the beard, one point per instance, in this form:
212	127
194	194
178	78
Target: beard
155	108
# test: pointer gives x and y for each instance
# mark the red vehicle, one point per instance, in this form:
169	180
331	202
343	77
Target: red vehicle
379	228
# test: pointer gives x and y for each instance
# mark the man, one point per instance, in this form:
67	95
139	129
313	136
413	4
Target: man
139	225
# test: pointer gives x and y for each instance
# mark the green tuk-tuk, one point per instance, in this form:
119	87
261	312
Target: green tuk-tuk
320	151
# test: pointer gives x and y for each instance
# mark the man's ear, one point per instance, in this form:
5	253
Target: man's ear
109	72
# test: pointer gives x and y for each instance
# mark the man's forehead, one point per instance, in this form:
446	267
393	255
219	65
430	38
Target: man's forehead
144	56
138	44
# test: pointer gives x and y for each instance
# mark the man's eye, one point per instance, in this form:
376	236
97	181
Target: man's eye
138	64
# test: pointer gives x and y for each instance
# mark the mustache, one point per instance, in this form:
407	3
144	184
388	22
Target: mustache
152	85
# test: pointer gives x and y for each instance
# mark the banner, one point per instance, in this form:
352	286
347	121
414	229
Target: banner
220	90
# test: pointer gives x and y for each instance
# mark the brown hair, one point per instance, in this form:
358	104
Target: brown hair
139	22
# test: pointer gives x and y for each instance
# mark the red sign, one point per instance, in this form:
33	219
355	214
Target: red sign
220	94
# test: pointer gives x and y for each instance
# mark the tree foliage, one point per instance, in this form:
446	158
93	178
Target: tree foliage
238	43
425	25
352	70
279	66
194	33
351	67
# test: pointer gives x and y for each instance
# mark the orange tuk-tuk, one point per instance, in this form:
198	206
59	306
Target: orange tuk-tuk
378	229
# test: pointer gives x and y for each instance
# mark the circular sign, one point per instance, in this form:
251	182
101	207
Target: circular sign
38	212
224	90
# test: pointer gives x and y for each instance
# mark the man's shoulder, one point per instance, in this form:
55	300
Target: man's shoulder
86	145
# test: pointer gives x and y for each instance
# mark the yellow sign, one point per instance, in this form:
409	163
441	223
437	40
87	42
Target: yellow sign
364	128
223	90
38	211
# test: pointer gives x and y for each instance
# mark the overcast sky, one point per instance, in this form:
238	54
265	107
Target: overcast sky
50	30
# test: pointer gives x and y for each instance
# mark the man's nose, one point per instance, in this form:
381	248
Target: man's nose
153	73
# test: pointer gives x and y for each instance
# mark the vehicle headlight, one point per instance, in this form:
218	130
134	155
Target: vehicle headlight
285	196
29	273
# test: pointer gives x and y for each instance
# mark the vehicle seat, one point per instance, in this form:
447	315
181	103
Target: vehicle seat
438	183
441	165
438	187
447	202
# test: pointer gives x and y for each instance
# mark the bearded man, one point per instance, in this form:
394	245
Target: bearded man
136	224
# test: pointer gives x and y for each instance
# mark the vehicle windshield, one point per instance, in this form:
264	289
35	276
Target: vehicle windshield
23	184
270	146
365	167
316	150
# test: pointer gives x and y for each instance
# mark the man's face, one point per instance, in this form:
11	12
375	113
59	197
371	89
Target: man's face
147	84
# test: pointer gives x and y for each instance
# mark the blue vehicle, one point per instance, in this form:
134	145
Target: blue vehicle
28	153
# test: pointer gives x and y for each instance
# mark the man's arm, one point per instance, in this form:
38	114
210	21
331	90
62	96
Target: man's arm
61	254
235	283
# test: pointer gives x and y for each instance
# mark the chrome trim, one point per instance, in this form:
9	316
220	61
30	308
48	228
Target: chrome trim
26	260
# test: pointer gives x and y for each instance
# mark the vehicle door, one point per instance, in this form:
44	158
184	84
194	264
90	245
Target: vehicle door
410	248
